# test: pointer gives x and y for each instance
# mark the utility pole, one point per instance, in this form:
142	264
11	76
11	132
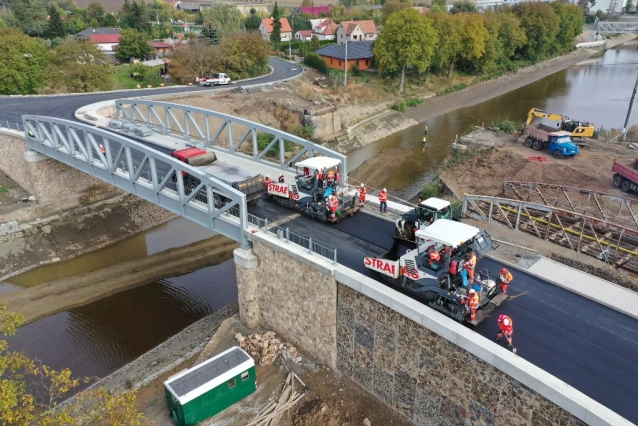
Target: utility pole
292	27
631	104
345	67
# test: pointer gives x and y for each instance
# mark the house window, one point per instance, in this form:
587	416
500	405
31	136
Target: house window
367	61
244	375
339	62
231	383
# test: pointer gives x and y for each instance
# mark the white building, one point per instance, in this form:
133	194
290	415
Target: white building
266	26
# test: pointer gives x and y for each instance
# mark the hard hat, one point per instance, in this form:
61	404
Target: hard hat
506	321
472	291
361	185
503	271
268	176
281	174
385	190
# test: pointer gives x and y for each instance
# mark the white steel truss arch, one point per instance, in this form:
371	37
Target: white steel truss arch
140	170
181	121
617	27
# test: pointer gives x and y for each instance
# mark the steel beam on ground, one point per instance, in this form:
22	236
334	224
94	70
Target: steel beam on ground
142	171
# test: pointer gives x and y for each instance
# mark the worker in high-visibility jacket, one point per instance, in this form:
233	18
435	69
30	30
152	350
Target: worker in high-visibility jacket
267	181
333	203
434	255
362	195
473	301
383	200
506	326
504	279
102	150
470	266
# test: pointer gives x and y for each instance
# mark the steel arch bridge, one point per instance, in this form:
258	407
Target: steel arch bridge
604	27
211	129
143	171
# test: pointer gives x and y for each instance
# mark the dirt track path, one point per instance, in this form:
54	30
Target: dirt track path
55	296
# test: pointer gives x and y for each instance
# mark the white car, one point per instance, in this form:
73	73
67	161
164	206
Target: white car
215	80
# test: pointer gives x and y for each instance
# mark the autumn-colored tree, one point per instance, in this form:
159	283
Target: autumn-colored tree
541	25
197	59
571	25
473	37
408	40
392	6
449	47
79	67
20	406
244	55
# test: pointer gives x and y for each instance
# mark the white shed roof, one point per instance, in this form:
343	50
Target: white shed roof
448	232
435	203
316	163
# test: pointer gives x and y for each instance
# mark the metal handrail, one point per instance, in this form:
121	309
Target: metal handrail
307	243
11	126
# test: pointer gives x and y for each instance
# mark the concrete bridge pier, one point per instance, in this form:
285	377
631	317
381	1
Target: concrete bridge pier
247	287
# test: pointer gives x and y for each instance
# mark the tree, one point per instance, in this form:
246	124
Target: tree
209	33
629	6
473	38
197	59
79	67
94	23
541	25
571	25
23	63
95	11
449	46
510	33
392	6
299	22
253	21
110	21
225	18
244	55
314	43
23	405
135	15
275	35
76	25
31	16
463	6
56	27
408	40
132	44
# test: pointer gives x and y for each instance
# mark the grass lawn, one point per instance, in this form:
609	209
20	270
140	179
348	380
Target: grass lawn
121	78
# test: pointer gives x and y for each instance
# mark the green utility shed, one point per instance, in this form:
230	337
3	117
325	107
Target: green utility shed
201	392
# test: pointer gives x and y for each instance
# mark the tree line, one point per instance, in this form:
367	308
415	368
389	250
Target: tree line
473	43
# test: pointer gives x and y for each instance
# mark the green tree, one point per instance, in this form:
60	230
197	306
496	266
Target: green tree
79	67
510	33
541	25
463	6
473	39
160	12
110	21
299	22
3	24
136	16
76	25
56	27
31	16
94	23
225	18
253	21
23	63
209	33
275	35
95	11
450	39
392	6
629	6
244	55
132	44
196	59
571	25
408	40
315	44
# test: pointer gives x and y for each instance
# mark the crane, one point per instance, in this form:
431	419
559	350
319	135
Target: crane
577	128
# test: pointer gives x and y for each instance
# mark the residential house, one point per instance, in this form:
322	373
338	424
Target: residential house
86	34
193	6
161	48
313	11
359	52
303	35
266	28
315	22
107	43
356	31
327	30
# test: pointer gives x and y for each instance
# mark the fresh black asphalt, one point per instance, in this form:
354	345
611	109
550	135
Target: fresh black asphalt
589	346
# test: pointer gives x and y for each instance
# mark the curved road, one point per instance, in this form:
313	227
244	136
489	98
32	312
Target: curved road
589	346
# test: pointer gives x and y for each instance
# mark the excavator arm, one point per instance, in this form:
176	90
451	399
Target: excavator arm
576	128
535	112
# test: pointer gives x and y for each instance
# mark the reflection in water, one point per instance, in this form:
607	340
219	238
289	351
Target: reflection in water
98	338
597	92
176	233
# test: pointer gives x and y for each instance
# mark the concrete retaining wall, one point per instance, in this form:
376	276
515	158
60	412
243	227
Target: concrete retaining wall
421	363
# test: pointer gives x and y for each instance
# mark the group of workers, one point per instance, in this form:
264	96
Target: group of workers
268	180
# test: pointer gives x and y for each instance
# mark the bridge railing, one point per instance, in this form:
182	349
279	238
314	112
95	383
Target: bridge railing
307	243
11	126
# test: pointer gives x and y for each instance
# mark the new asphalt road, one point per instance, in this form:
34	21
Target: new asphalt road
64	106
589	346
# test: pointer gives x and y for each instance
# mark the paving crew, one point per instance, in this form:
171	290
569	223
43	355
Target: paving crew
506	325
332	205
281	178
362	195
504	279
434	255
102	150
470	265
331	176
473	301
383	200
267	181
31	134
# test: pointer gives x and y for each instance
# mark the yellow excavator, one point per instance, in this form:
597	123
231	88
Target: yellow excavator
578	129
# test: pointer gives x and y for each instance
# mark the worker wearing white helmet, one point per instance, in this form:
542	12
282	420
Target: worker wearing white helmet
267	181
362	195
383	200
281	178
333	203
473	302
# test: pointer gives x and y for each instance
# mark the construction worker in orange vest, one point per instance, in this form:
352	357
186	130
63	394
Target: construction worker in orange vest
333	203
102	150
383	200
505	278
362	195
434	255
267	181
470	265
506	325
473	301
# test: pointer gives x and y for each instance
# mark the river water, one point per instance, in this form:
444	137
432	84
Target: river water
102	336
598	92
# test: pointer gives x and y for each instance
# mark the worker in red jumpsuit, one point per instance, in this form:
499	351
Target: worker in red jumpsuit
332	205
383	200
504	279
434	255
474	302
362	195
267	181
507	328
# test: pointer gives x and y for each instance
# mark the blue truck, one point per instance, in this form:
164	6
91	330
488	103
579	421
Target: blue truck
558	143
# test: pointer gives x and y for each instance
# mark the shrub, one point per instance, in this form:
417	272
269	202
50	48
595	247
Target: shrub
434	189
451	89
506	126
414	102
317	62
354	69
399	106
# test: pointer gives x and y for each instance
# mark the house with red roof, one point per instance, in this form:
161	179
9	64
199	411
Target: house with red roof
312	11
356	31
266	26
303	35
327	30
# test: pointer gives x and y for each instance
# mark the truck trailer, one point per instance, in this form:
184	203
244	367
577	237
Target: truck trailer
626	174
438	283
558	143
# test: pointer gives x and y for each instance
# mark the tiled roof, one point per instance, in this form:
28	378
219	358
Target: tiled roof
285	26
327	27
105	38
316	10
356	50
305	33
159	45
86	34
368	27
